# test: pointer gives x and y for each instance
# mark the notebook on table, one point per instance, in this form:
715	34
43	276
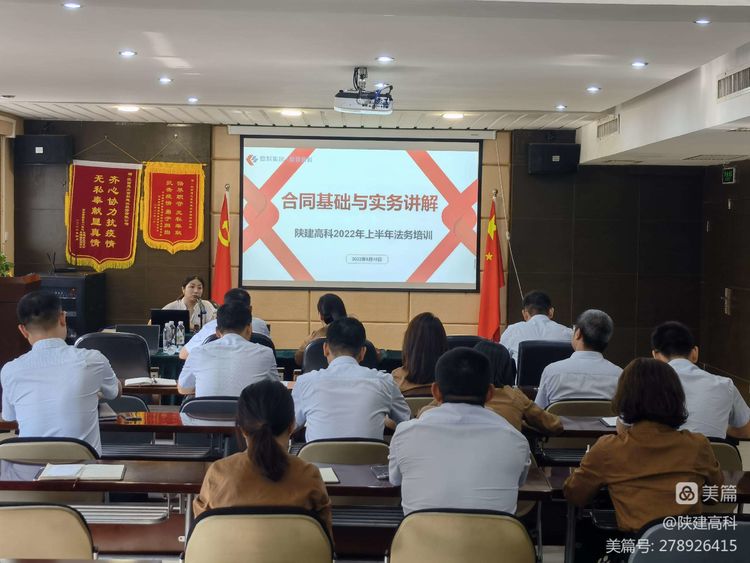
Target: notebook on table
610	421
83	472
148	381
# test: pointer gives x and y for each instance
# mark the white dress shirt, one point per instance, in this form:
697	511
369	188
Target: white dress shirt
347	400
538	327
196	318
52	391
226	366
259	326
458	456
585	375
713	402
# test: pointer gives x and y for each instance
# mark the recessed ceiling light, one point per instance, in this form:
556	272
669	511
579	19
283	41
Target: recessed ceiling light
561	107
385	59
639	64
71	5
165	80
453	115
128	109
128	53
192	100
702	21
291	112
593	89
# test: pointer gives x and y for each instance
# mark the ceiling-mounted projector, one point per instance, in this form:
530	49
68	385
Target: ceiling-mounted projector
363	101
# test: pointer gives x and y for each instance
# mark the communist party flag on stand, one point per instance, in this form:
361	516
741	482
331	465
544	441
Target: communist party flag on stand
222	279
492	281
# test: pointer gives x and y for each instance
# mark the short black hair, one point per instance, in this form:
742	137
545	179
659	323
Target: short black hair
650	390
39	309
233	317
672	339
536	303
596	329
331	307
346	336
239	295
463	376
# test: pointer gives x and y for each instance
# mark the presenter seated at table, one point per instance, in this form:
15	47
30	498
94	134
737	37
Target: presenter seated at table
54	389
236	294
537	324
586	374
330	308
347	400
459	454
424	342
642	464
227	365
200	310
715	406
265	474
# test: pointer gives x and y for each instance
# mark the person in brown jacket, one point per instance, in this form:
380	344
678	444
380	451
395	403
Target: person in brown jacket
330	308
265	474
643	463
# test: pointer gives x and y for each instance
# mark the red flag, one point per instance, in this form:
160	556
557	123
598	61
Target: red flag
222	279
492	281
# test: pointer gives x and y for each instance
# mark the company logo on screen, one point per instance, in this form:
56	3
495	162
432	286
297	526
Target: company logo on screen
251	159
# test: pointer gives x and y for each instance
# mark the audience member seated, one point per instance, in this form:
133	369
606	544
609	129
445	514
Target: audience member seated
200	310
715	406
537	324
347	400
502	366
424	342
459	454
330	308
236	294
227	365
265	474
53	390
586	374
642	464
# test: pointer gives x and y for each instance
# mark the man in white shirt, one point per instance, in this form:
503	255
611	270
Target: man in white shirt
53	390
715	406
346	400
586	374
459	455
537	324
226	366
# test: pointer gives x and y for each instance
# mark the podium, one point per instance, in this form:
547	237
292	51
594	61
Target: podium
12	344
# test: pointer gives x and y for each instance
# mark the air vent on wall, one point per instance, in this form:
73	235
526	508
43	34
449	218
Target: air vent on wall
733	83
717	157
609	127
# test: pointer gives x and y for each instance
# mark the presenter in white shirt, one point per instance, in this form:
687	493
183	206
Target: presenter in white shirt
586	374
715	406
53	390
537	324
459	455
346	400
199	310
209	329
226	366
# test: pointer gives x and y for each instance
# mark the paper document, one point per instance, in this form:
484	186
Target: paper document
329	475
106	413
84	472
149	381
609	421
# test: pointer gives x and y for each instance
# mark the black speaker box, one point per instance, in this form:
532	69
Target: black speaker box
43	149
553	158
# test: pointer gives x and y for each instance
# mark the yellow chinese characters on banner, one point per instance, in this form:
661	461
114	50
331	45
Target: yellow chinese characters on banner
172	211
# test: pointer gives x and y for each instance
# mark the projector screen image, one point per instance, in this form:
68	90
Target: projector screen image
359	213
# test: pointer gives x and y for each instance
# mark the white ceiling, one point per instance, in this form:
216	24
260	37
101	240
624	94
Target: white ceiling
507	64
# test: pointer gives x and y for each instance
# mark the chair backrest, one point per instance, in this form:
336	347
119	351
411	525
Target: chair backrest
727	454
44	531
267	534
63	450
210	408
262	339
468	340
581	407
313	358
535	355
416	404
354	451
128	403
128	354
210	338
446	536
150	333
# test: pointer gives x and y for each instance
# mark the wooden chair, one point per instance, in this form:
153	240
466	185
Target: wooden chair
44	531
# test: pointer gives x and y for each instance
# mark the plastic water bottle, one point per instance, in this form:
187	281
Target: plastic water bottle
180	336
168	337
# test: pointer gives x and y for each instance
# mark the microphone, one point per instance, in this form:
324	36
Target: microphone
202	313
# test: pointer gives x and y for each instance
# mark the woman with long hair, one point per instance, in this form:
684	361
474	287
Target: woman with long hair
330	308
424	342
200	310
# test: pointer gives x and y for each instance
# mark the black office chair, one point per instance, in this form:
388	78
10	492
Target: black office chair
313	359
467	340
128	354
209	408
502	366
535	355
262	339
126	403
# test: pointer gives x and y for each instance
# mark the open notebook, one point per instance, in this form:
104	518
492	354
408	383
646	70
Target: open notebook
84	472
149	381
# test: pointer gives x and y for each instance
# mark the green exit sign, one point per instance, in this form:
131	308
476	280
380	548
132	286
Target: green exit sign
728	175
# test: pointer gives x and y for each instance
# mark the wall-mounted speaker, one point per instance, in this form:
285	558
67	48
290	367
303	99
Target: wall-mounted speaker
553	158
43	149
